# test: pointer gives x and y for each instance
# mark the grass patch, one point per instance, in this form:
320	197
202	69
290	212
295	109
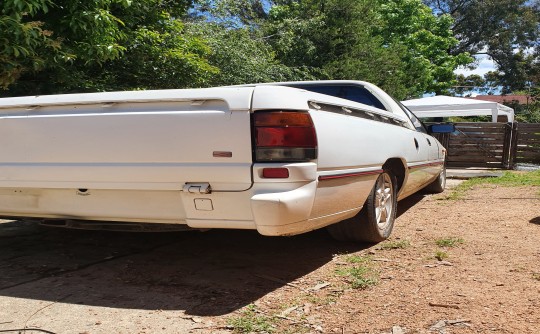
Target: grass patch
362	275
509	179
359	259
250	321
536	276
441	255
449	242
459	191
397	244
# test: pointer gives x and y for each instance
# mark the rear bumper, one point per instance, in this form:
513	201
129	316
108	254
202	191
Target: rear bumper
273	207
284	213
295	205
279	213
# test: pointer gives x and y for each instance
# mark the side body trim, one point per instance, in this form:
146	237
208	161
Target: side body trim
346	175
425	165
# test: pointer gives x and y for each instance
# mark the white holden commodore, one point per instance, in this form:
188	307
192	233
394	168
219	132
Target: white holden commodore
281	158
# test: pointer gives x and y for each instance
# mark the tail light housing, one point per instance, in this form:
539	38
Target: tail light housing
284	136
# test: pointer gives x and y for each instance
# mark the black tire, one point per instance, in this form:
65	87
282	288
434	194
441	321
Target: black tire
367	226
438	185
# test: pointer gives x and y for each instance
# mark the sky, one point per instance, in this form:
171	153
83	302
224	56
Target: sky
485	64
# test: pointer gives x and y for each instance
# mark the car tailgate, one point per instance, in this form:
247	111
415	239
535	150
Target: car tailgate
157	140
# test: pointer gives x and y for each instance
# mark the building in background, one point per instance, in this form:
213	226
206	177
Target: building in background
523	100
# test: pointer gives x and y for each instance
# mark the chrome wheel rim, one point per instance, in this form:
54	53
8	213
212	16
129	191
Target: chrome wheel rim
384	201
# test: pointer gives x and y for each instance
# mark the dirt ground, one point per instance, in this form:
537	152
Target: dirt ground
486	280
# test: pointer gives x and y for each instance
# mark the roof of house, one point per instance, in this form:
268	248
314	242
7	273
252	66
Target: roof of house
520	99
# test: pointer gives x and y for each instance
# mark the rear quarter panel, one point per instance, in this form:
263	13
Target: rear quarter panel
353	144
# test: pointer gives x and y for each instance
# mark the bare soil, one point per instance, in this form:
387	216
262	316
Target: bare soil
486	281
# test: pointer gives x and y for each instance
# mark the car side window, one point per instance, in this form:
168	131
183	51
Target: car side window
418	125
348	92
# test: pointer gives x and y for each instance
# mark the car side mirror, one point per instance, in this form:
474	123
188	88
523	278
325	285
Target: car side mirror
442	128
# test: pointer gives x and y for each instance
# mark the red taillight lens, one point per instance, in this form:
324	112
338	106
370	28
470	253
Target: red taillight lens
284	136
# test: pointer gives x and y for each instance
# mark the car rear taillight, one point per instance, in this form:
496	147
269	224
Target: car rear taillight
284	136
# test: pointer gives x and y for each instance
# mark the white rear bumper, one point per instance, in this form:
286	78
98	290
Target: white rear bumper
271	206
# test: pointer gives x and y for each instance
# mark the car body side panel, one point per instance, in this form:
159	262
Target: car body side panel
356	146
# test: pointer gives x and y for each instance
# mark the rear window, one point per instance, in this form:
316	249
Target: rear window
352	93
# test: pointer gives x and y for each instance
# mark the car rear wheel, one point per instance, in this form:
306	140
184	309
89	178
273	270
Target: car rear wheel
374	223
438	185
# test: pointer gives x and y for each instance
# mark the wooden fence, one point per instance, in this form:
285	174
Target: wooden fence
526	145
492	145
479	145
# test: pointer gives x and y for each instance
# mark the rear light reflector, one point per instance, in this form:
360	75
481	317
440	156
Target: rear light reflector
275	173
284	136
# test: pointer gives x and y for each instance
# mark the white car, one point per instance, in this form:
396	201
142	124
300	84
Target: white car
282	158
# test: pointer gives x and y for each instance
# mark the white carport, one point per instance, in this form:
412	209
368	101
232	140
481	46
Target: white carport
448	106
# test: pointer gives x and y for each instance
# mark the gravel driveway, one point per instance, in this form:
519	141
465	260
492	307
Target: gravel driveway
69	281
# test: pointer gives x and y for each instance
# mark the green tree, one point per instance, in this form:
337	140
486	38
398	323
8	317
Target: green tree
99	45
426	39
505	30
243	56
25	44
399	45
467	85
158	55
117	44
40	34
